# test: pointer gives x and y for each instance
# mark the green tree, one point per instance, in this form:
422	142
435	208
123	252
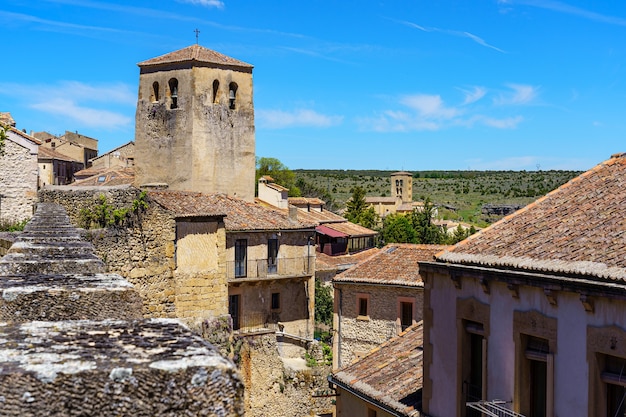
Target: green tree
426	231
279	172
369	218
397	228
356	205
323	304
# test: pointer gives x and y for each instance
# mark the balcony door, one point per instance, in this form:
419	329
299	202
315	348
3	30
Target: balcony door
272	256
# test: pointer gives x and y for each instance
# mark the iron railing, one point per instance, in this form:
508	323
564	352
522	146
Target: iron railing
261	268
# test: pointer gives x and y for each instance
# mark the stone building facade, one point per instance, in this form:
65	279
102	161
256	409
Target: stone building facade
530	313
194	126
377	299
18	182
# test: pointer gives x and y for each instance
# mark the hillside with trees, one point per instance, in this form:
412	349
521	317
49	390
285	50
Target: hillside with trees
458	195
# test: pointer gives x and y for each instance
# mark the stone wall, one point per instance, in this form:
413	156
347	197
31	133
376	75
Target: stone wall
276	388
359	334
171	277
18	181
93	355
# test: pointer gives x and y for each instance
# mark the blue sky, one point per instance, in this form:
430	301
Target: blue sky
405	84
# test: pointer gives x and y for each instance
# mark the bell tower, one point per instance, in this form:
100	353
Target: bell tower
402	186
194	125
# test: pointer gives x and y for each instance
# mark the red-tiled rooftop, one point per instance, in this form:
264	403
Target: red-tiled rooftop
325	262
240	214
577	229
396	263
195	53
391	374
108	177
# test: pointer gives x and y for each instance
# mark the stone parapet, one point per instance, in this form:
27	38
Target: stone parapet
74	297
154	367
114	363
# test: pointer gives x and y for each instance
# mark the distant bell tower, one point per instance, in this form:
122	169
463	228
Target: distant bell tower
402	186
194	125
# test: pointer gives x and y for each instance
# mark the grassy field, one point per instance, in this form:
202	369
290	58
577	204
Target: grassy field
460	195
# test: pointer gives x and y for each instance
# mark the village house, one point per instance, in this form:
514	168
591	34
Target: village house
78	147
377	299
56	168
334	234
529	316
387	382
269	262
18	182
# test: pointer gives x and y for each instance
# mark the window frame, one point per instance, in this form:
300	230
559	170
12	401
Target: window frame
360	299
241	259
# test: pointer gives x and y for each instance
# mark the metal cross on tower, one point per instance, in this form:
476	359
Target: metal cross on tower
197	33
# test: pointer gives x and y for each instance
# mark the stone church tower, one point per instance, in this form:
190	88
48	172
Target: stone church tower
402	186
194	126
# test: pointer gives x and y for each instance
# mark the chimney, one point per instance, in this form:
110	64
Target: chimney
293	213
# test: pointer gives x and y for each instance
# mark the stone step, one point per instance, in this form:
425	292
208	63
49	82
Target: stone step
68	297
114	368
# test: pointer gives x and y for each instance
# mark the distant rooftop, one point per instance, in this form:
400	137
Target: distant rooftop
396	263
577	229
391	375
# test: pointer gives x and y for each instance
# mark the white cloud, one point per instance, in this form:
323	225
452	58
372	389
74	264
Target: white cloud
458	33
520	94
218	4
425	112
279	119
87	116
474	95
429	106
91	105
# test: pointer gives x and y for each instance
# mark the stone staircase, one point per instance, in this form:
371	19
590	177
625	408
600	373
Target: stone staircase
73	341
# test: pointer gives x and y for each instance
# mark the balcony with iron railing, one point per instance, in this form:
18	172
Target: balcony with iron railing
260	269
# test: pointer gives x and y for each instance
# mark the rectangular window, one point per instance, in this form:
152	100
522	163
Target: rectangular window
371	413
406	314
474	350
363	307
614	376
537	350
234	309
272	256
241	258
275	301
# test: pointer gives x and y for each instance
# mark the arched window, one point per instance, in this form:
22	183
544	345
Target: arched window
174	93
232	95
155	91
216	86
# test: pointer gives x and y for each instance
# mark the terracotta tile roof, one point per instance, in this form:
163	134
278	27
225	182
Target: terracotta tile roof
195	53
47	153
396	263
26	136
319	217
109	177
391	374
325	262
303	201
351	229
402	173
577	229
240	215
